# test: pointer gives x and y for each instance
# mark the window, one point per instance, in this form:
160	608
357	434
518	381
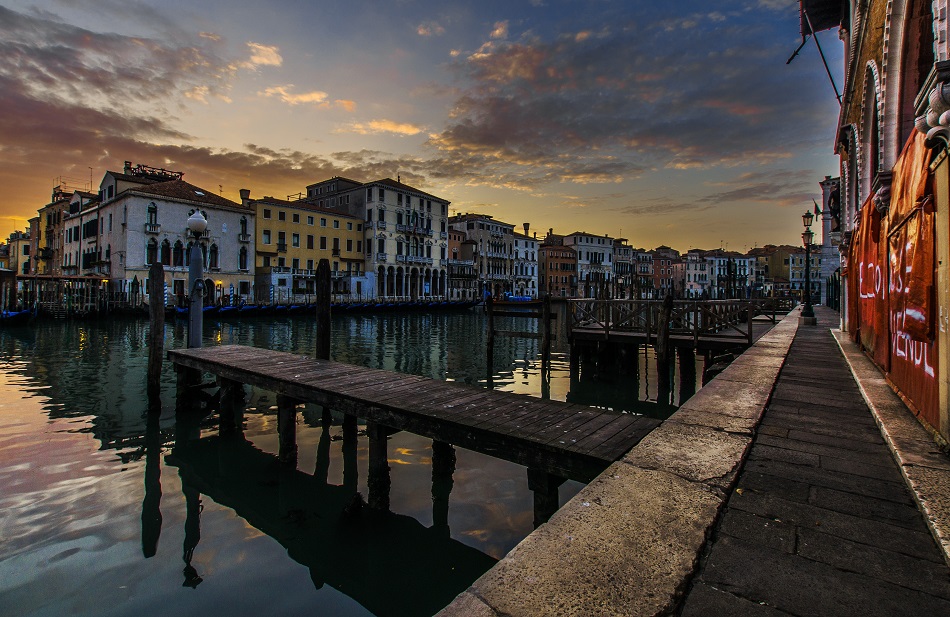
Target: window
336	224
310	221
266	261
369	194
296	218
310	241
244	288
323	222
152	216
349	246
359	246
295	263
151	251
349	226
281	215
382	195
266	213
265	236
281	262
166	253
381	242
213	256
323	243
242	259
295	240
309	264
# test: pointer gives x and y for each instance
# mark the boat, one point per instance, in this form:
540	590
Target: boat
16	318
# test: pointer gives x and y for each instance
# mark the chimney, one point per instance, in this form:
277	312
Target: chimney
535	235
127	169
526	225
245	196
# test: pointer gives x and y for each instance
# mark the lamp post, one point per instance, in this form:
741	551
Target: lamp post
196	225
808	314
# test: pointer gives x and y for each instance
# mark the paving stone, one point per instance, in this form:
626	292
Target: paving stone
878	457
857	529
896	568
796	457
885	509
785	488
805	587
860	485
759	530
705	600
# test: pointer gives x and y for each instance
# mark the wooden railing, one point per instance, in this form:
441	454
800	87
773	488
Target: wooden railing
709	319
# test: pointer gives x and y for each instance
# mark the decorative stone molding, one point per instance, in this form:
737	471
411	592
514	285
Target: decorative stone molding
881	189
933	106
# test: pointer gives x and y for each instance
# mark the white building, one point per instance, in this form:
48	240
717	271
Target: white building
406	234
495	251
594	261
525	265
142	218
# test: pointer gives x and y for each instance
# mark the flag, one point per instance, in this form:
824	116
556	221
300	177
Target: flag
817	209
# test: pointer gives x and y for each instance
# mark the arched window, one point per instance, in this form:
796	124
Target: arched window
166	253
213	256
152	214
151	251
178	254
242	258
243	225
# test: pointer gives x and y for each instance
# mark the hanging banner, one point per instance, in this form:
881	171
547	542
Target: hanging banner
868	257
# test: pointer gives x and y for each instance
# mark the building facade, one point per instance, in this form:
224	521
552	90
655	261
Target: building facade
594	262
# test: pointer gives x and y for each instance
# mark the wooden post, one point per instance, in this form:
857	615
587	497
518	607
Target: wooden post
544	485
351	472
663	356
323	310
443	466
156	329
287	429
749	315
490	351
151	505
322	469
230	414
378	481
545	336
687	371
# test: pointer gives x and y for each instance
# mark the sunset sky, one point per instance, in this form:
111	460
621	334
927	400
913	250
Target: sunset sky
672	123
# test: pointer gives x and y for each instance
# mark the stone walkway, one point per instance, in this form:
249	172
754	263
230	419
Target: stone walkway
821	521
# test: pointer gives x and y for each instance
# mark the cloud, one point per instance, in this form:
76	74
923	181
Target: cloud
430	28
500	30
584	108
381	126
314	97
262	55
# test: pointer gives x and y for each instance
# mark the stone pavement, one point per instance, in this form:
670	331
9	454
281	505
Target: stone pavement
820	522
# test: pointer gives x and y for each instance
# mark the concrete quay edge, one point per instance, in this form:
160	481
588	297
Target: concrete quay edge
924	466
630	541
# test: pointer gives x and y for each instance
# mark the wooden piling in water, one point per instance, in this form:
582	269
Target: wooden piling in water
287	429
664	351
443	468
378	481
156	330
323	310
546	498
545	336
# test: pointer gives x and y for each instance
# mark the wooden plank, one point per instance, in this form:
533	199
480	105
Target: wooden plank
517	334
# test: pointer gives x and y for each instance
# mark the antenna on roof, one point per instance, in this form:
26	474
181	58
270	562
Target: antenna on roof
220	189
398	179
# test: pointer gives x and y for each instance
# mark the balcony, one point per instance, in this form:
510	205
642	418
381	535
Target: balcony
244	238
380	256
443	234
380	224
153	228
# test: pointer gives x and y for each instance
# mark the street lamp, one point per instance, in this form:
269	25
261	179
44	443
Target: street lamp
807	236
196	225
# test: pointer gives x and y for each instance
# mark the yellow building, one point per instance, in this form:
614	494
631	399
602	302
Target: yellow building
292	238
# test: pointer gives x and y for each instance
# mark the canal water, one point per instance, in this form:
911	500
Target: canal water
103	512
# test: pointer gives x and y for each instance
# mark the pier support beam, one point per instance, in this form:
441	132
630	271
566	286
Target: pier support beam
231	412
287	429
687	371
351	472
378	482
544	485
443	467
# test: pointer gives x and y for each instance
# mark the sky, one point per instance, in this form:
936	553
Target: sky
675	123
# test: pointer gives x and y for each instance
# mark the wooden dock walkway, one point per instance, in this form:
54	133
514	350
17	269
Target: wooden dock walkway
561	439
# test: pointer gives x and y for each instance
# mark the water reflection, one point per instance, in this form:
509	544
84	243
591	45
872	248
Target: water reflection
232	514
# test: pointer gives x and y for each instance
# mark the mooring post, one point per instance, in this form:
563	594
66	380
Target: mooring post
323	310
544	485
322	469
687	371
663	356
443	467
231	401
151	505
545	336
351	472
287	429
490	351
156	329
378	482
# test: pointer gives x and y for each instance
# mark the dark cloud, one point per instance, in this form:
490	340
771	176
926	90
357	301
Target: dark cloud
686	92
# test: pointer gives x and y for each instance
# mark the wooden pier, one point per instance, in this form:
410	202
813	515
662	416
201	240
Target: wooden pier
703	325
555	440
